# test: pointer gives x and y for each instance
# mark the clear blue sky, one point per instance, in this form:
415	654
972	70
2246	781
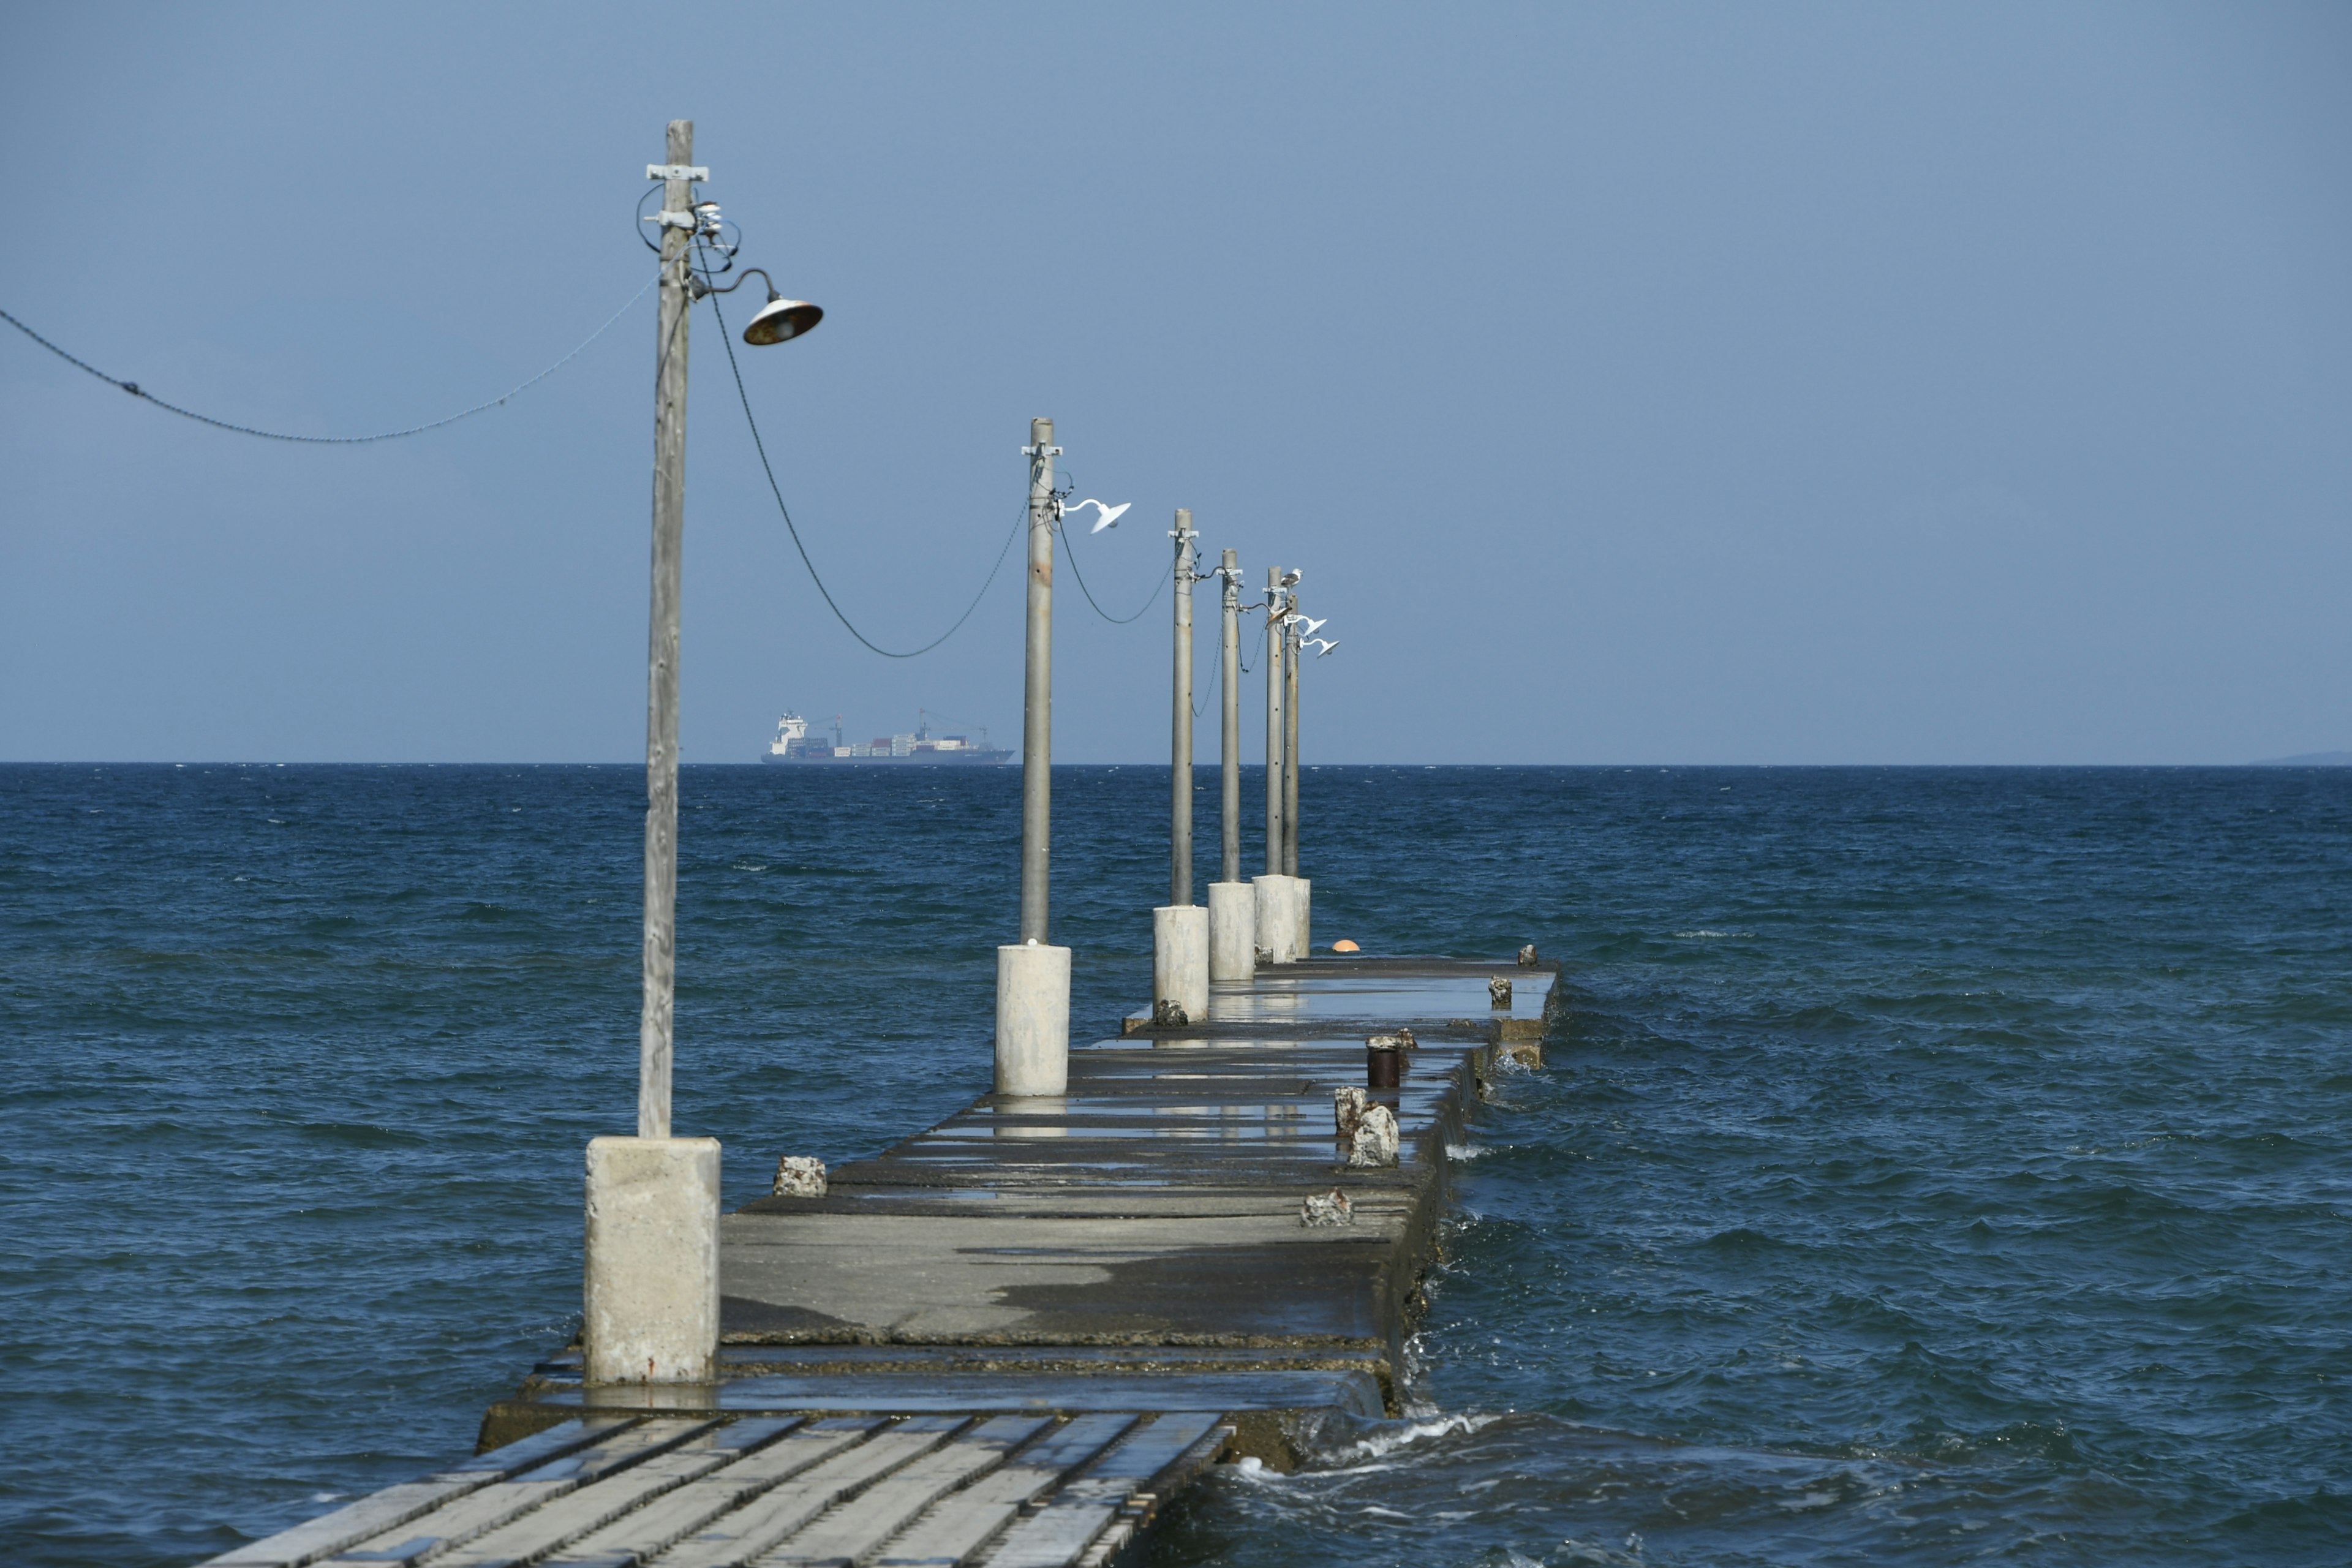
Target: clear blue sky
1646	382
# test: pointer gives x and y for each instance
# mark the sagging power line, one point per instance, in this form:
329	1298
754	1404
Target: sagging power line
135	390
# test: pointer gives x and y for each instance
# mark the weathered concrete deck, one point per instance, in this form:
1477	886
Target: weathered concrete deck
1008	1338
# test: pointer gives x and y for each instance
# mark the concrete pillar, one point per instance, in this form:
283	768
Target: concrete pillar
1033	1019
651	1296
1180	961
1233	930
1302	896
1278	924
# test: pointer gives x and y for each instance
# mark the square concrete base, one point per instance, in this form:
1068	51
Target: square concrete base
651	1293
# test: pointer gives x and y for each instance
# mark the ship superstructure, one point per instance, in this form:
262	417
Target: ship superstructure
793	744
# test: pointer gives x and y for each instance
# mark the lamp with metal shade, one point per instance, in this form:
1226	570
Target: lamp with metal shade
778	321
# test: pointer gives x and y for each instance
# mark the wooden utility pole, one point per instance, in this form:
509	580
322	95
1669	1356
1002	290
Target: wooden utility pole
1179	743
653	1022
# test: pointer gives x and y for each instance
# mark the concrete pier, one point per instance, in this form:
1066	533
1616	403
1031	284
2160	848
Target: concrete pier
1009	1339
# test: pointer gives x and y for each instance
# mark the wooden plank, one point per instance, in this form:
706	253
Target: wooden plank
460	1520
1142	1507
738	1536
952	1528
673	1516
395	1506
1056	1535
568	1518
848	1534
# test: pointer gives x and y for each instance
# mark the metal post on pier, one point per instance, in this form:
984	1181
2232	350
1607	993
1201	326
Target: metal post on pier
1033	977
1232	919
1180	929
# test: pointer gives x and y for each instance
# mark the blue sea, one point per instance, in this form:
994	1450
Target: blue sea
1938	1165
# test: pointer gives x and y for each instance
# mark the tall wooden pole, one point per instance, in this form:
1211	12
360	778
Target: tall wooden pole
1037	690
1290	746
1230	736
1180	837
1274	639
654	1019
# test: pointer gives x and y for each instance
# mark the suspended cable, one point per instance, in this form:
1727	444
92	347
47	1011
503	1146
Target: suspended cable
1070	551
135	390
1258	643
794	529
1216	674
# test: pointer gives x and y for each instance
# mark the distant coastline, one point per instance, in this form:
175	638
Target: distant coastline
2307	760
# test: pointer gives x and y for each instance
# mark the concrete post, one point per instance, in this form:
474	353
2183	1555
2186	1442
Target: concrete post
1037	689
651	1286
1293	653
1033	1019
1230	734
1180	742
1300	892
1233	903
1233	930
1180	965
1033	980
1273	641
660	947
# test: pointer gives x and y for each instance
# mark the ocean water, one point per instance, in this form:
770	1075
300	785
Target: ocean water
1940	1167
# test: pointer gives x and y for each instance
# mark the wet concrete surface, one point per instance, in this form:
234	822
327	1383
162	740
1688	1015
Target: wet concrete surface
1133	1244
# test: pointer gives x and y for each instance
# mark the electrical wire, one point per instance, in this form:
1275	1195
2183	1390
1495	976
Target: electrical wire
1068	550
135	390
776	489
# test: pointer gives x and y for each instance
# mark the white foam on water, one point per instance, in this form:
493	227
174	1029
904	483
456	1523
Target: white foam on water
1378	1444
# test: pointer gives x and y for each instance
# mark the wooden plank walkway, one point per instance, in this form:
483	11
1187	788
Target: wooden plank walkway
1008	1340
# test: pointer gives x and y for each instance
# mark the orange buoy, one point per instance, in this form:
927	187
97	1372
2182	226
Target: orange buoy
1344	945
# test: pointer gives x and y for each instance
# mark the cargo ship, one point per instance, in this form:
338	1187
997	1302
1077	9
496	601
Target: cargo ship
793	744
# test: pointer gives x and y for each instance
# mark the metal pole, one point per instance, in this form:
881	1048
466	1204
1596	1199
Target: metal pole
1273	721
654	1017
1037	690
1230	817
1290	746
1180	859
